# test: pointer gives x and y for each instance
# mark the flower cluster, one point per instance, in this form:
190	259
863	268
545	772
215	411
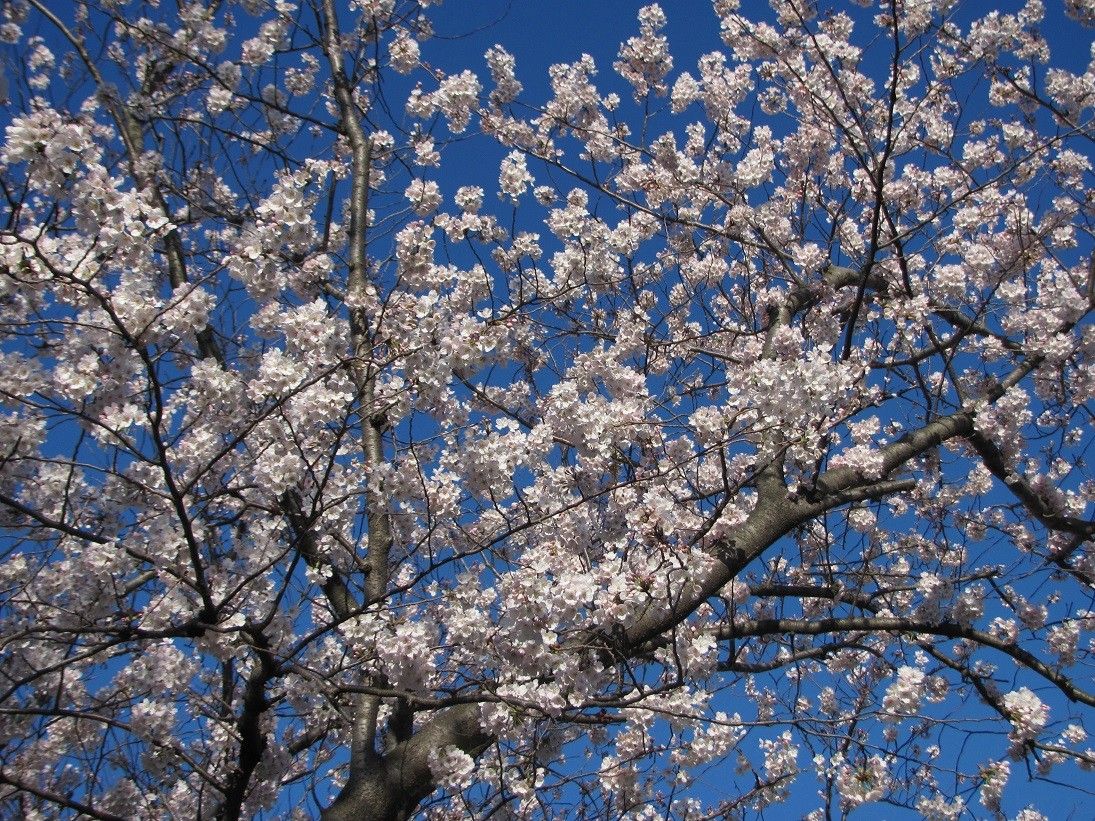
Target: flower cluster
457	97
514	177
403	51
1027	713
451	767
863	783
904	695
50	145
645	60
994	777
424	196
503	72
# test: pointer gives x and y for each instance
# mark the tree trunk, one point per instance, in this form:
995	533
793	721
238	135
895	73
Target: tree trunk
390	787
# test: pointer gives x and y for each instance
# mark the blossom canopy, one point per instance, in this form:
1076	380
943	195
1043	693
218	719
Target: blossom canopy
384	435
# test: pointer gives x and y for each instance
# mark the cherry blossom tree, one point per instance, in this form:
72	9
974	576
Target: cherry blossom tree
736	434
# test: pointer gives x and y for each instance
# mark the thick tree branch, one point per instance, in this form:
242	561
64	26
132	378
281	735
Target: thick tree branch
1039	507
812	627
363	754
394	786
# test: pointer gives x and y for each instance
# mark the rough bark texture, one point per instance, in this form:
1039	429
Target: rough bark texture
390	787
